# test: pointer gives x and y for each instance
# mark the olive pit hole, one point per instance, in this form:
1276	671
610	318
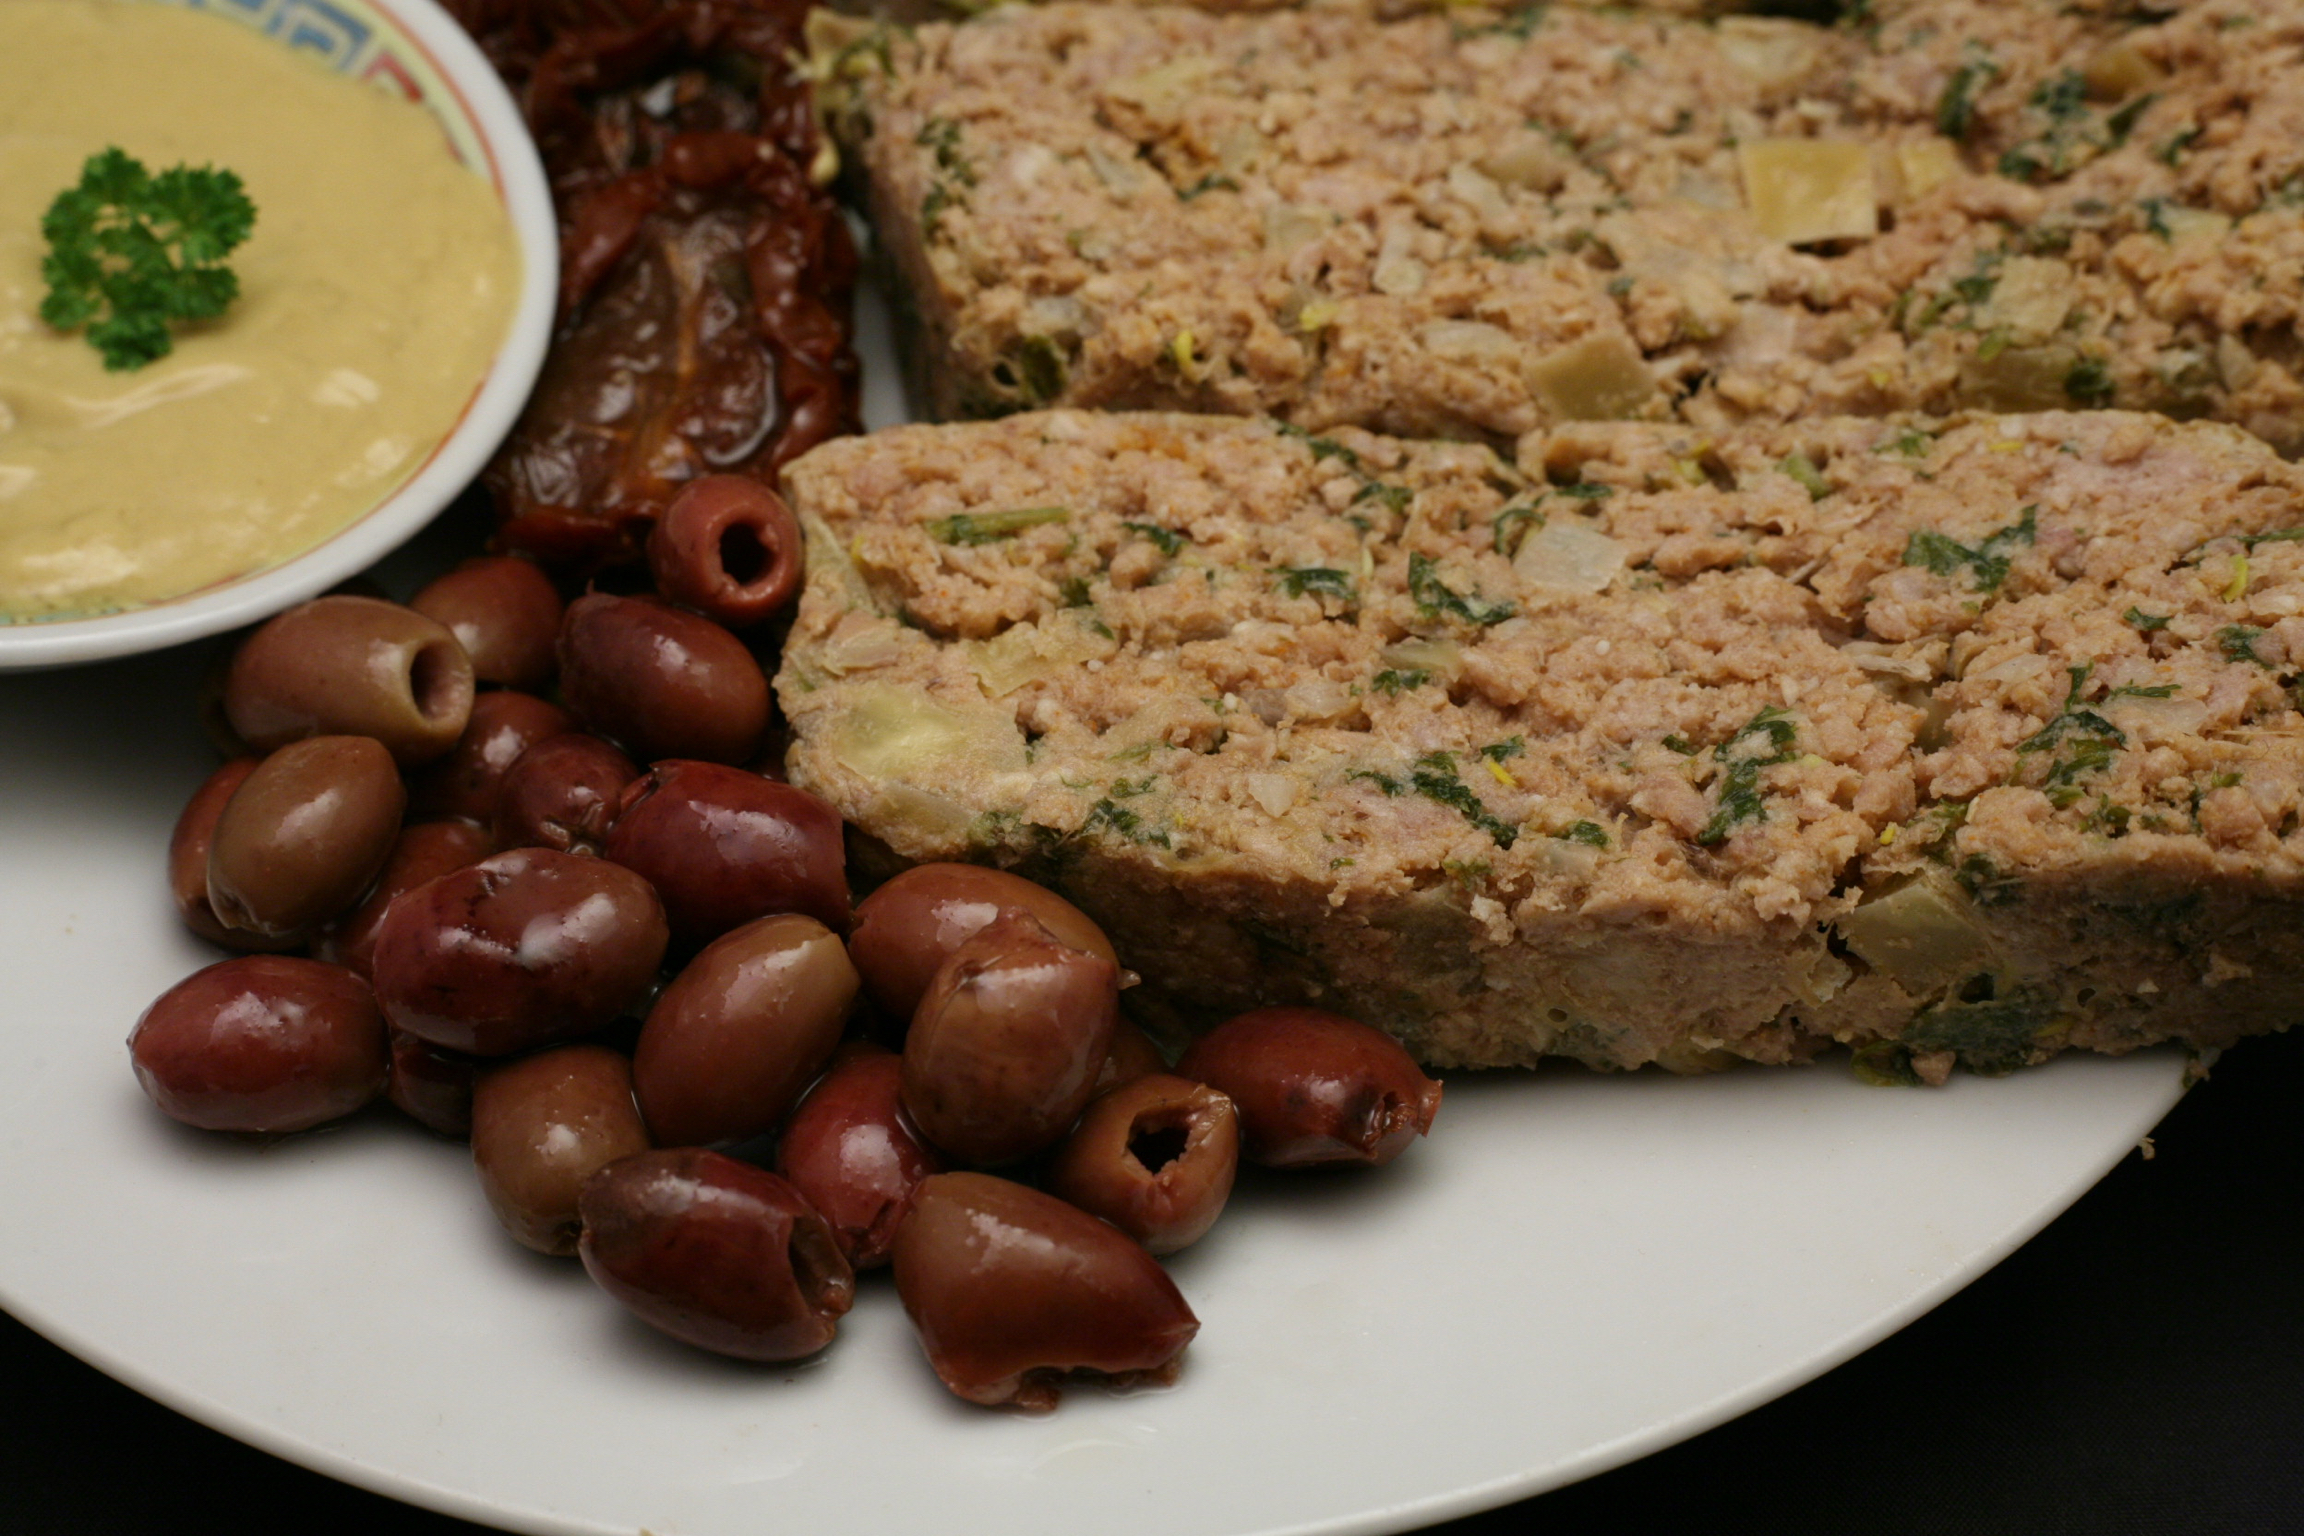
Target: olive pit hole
432	674
1157	1144
744	555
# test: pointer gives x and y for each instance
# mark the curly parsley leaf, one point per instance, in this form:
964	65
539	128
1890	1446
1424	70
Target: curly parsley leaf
131	254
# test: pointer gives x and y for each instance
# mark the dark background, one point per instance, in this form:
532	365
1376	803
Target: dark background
2138	1367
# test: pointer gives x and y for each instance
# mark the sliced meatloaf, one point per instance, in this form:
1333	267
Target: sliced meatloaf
1481	223
1961	744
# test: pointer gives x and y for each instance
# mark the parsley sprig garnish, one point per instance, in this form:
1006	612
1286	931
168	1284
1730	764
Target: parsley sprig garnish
131	254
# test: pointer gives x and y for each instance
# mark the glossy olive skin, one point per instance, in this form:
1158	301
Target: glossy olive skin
432	1086
742	1030
519	950
1010	1288
261	1043
716	1253
562	793
423	853
188	860
1155	1157
1005	1048
661	681
729	548
504	612
725	846
1133	1055
906	929
351	666
1314	1087
852	1151
303	835
503	725
543	1125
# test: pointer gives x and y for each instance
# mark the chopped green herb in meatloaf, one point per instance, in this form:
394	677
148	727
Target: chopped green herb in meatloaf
1484	221
1953	743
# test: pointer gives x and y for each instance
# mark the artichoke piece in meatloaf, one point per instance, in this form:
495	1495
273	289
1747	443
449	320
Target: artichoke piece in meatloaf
1481	223
1954	744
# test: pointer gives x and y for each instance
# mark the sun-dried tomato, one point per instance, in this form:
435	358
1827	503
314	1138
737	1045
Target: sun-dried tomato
705	277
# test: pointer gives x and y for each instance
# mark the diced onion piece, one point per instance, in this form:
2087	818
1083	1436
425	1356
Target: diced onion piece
1480	193
2031	298
2119	70
2186	225
1275	792
2156	720
1775	54
1442	658
892	732
860	643
1568	555
1923	936
828	561
1923	165
1027	653
1164	88
1289	227
1873	656
1601	378
1468	341
1526	160
916	822
1804	190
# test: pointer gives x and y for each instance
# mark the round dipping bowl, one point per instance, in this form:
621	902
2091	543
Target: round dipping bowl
412	48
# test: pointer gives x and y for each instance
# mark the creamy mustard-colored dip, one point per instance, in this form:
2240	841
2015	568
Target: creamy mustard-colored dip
378	283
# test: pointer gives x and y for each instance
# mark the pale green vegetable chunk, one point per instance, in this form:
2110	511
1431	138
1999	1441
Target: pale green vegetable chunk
1924	937
1804	190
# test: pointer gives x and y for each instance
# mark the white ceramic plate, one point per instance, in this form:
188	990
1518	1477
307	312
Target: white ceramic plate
1572	1272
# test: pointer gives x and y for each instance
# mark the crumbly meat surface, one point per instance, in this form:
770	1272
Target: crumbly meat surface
1479	223
1953	743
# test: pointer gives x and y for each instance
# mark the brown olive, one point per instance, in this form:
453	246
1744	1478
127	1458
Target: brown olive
716	1253
1133	1055
518	950
661	681
1314	1087
906	928
466	782
303	835
1155	1158
424	852
725	846
852	1151
562	793
544	1124
1005	1048
744	1027
433	1086
1010	1289
351	666
729	548
504	612
261	1043
188	860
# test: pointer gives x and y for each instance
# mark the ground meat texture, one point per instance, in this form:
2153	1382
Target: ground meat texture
1960	742
1483	222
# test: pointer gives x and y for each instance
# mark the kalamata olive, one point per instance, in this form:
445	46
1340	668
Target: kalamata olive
261	1043
544	1124
744	1027
724	846
303	835
1010	1289
433	1086
188	860
729	548
424	852
351	666
661	681
504	612
1314	1087
717	1253
518	950
1005	1047
905	929
1155	1158
851	1150
504	724
562	793
1133	1055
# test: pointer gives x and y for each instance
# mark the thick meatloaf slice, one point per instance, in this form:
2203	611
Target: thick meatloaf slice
1477	224
1968	744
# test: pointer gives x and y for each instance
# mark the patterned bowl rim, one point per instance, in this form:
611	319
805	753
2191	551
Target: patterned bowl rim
455	81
